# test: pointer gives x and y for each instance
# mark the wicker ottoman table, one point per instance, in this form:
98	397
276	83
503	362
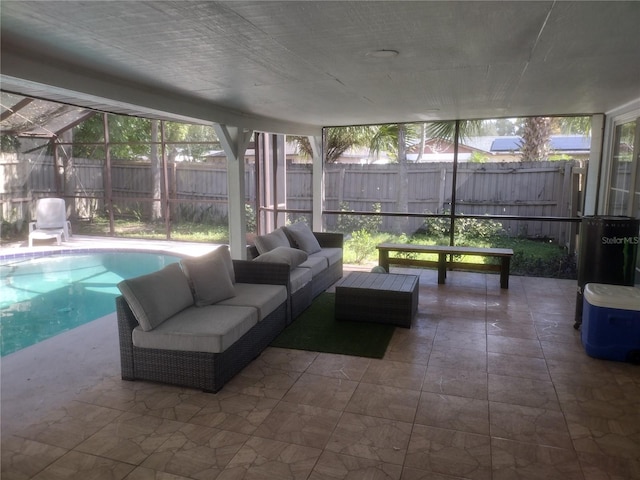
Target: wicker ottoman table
377	297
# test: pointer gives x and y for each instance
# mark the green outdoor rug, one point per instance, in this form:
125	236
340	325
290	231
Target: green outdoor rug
317	330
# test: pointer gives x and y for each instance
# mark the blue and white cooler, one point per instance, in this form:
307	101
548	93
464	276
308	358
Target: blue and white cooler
611	322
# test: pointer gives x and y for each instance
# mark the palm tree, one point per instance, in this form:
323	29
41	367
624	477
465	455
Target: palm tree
445	130
573	125
338	141
536	136
394	138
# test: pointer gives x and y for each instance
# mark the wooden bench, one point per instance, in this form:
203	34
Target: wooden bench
442	251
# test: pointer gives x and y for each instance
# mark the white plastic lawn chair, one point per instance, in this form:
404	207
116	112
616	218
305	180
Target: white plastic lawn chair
51	221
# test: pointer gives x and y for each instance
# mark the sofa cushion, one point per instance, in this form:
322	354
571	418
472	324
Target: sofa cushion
316	263
303	237
265	298
211	329
291	256
333	255
298	278
209	276
277	238
157	296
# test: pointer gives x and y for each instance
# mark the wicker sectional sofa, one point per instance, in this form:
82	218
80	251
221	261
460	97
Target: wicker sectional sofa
314	259
198	323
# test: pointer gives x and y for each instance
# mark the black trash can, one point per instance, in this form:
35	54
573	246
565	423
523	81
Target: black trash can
607	253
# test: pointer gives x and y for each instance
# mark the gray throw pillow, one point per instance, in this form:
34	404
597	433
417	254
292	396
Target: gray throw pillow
266	243
209	276
223	252
303	237
291	256
155	297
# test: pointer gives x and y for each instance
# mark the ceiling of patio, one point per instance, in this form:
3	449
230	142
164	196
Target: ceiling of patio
293	67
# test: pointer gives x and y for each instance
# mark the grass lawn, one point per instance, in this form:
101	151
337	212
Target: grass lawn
188	232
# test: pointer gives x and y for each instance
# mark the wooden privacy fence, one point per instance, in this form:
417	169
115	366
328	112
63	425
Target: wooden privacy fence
199	190
546	189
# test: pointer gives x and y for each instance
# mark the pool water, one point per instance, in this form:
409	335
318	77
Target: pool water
42	297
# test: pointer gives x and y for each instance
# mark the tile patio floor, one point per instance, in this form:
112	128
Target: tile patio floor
487	384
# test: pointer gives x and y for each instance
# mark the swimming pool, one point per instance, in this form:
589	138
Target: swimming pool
43	296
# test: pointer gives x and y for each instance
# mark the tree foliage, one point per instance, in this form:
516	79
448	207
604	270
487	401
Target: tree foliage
393	138
446	130
571	125
196	140
130	138
338	141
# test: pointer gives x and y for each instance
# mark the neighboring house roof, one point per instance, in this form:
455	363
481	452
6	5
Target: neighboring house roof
438	150
559	143
291	151
363	155
435	146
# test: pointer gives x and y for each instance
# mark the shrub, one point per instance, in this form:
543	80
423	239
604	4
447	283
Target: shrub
250	216
465	228
436	227
362	244
477	229
355	223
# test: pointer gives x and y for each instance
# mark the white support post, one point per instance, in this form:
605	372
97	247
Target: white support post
317	190
234	141
594	172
